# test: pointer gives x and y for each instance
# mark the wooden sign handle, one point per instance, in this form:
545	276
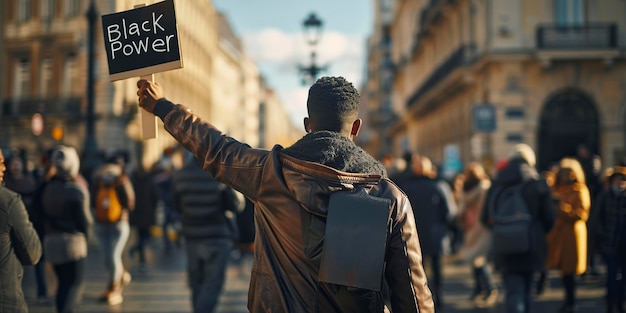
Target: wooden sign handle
148	120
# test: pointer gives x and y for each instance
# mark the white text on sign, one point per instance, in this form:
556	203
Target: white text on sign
157	44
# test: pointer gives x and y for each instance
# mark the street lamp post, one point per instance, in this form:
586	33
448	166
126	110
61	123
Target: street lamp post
312	31
90	152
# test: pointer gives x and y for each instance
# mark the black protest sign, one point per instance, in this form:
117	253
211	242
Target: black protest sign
142	41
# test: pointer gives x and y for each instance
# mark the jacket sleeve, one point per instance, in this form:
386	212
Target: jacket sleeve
229	161
485	217
546	211
25	240
404	271
126	187
83	209
578	209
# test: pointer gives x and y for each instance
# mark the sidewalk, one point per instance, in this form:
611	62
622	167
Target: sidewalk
160	288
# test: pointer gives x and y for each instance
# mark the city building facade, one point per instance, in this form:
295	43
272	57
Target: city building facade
43	53
471	78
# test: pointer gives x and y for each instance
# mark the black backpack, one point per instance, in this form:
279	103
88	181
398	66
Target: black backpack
510	221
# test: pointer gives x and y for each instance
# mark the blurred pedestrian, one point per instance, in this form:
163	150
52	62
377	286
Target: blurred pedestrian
114	200
67	216
18	179
291	189
610	224
432	216
518	268
19	245
244	252
163	181
567	241
143	217
208	209
477	238
550	178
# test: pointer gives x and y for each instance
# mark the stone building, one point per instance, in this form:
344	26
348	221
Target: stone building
43	53
471	78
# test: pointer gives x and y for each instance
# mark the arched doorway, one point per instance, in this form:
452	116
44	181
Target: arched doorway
569	119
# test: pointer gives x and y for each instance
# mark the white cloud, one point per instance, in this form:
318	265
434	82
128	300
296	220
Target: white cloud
269	45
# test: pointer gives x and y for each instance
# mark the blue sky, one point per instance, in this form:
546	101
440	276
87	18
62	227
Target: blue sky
272	34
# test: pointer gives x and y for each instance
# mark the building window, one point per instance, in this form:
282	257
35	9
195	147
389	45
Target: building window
72	8
21	79
515	113
45	78
69	75
47	9
24	10
570	12
514	137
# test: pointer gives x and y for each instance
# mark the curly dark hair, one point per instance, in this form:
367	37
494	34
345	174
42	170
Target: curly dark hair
332	100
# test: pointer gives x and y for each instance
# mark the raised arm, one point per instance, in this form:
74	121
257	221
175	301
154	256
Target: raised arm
229	161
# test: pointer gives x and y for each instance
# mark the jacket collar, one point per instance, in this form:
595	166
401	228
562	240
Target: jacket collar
336	152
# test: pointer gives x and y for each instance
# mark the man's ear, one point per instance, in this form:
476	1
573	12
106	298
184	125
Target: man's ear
307	125
356	126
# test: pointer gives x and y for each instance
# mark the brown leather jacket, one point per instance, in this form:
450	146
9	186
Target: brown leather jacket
286	191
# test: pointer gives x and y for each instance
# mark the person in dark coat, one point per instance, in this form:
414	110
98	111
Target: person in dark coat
19	245
67	221
207	210
518	269
432	216
611	228
144	215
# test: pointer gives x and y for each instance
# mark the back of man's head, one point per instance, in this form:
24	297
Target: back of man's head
333	104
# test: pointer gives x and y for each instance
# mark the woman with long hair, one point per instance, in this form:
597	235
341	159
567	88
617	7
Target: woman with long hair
567	241
476	237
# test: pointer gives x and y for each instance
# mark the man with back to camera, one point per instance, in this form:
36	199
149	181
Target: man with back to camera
290	188
19	245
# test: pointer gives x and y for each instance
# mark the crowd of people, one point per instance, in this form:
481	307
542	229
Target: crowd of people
62	209
290	206
576	216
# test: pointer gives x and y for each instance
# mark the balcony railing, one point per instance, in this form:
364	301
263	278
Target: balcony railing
593	36
457	59
65	106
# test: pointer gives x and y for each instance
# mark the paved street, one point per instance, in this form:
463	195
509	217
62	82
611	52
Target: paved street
162	288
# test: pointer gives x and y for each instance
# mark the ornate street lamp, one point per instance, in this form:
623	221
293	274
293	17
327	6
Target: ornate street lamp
312	31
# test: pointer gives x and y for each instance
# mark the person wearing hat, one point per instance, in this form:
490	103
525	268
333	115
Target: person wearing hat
609	220
67	222
518	269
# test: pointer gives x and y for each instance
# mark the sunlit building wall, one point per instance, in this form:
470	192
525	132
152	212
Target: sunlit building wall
553	70
276	126
44	47
376	110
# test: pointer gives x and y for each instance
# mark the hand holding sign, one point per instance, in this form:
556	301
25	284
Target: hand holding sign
148	93
140	42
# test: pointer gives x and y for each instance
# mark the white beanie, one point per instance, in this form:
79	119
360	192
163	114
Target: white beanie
66	160
524	152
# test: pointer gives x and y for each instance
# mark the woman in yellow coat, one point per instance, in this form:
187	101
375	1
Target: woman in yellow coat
567	241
